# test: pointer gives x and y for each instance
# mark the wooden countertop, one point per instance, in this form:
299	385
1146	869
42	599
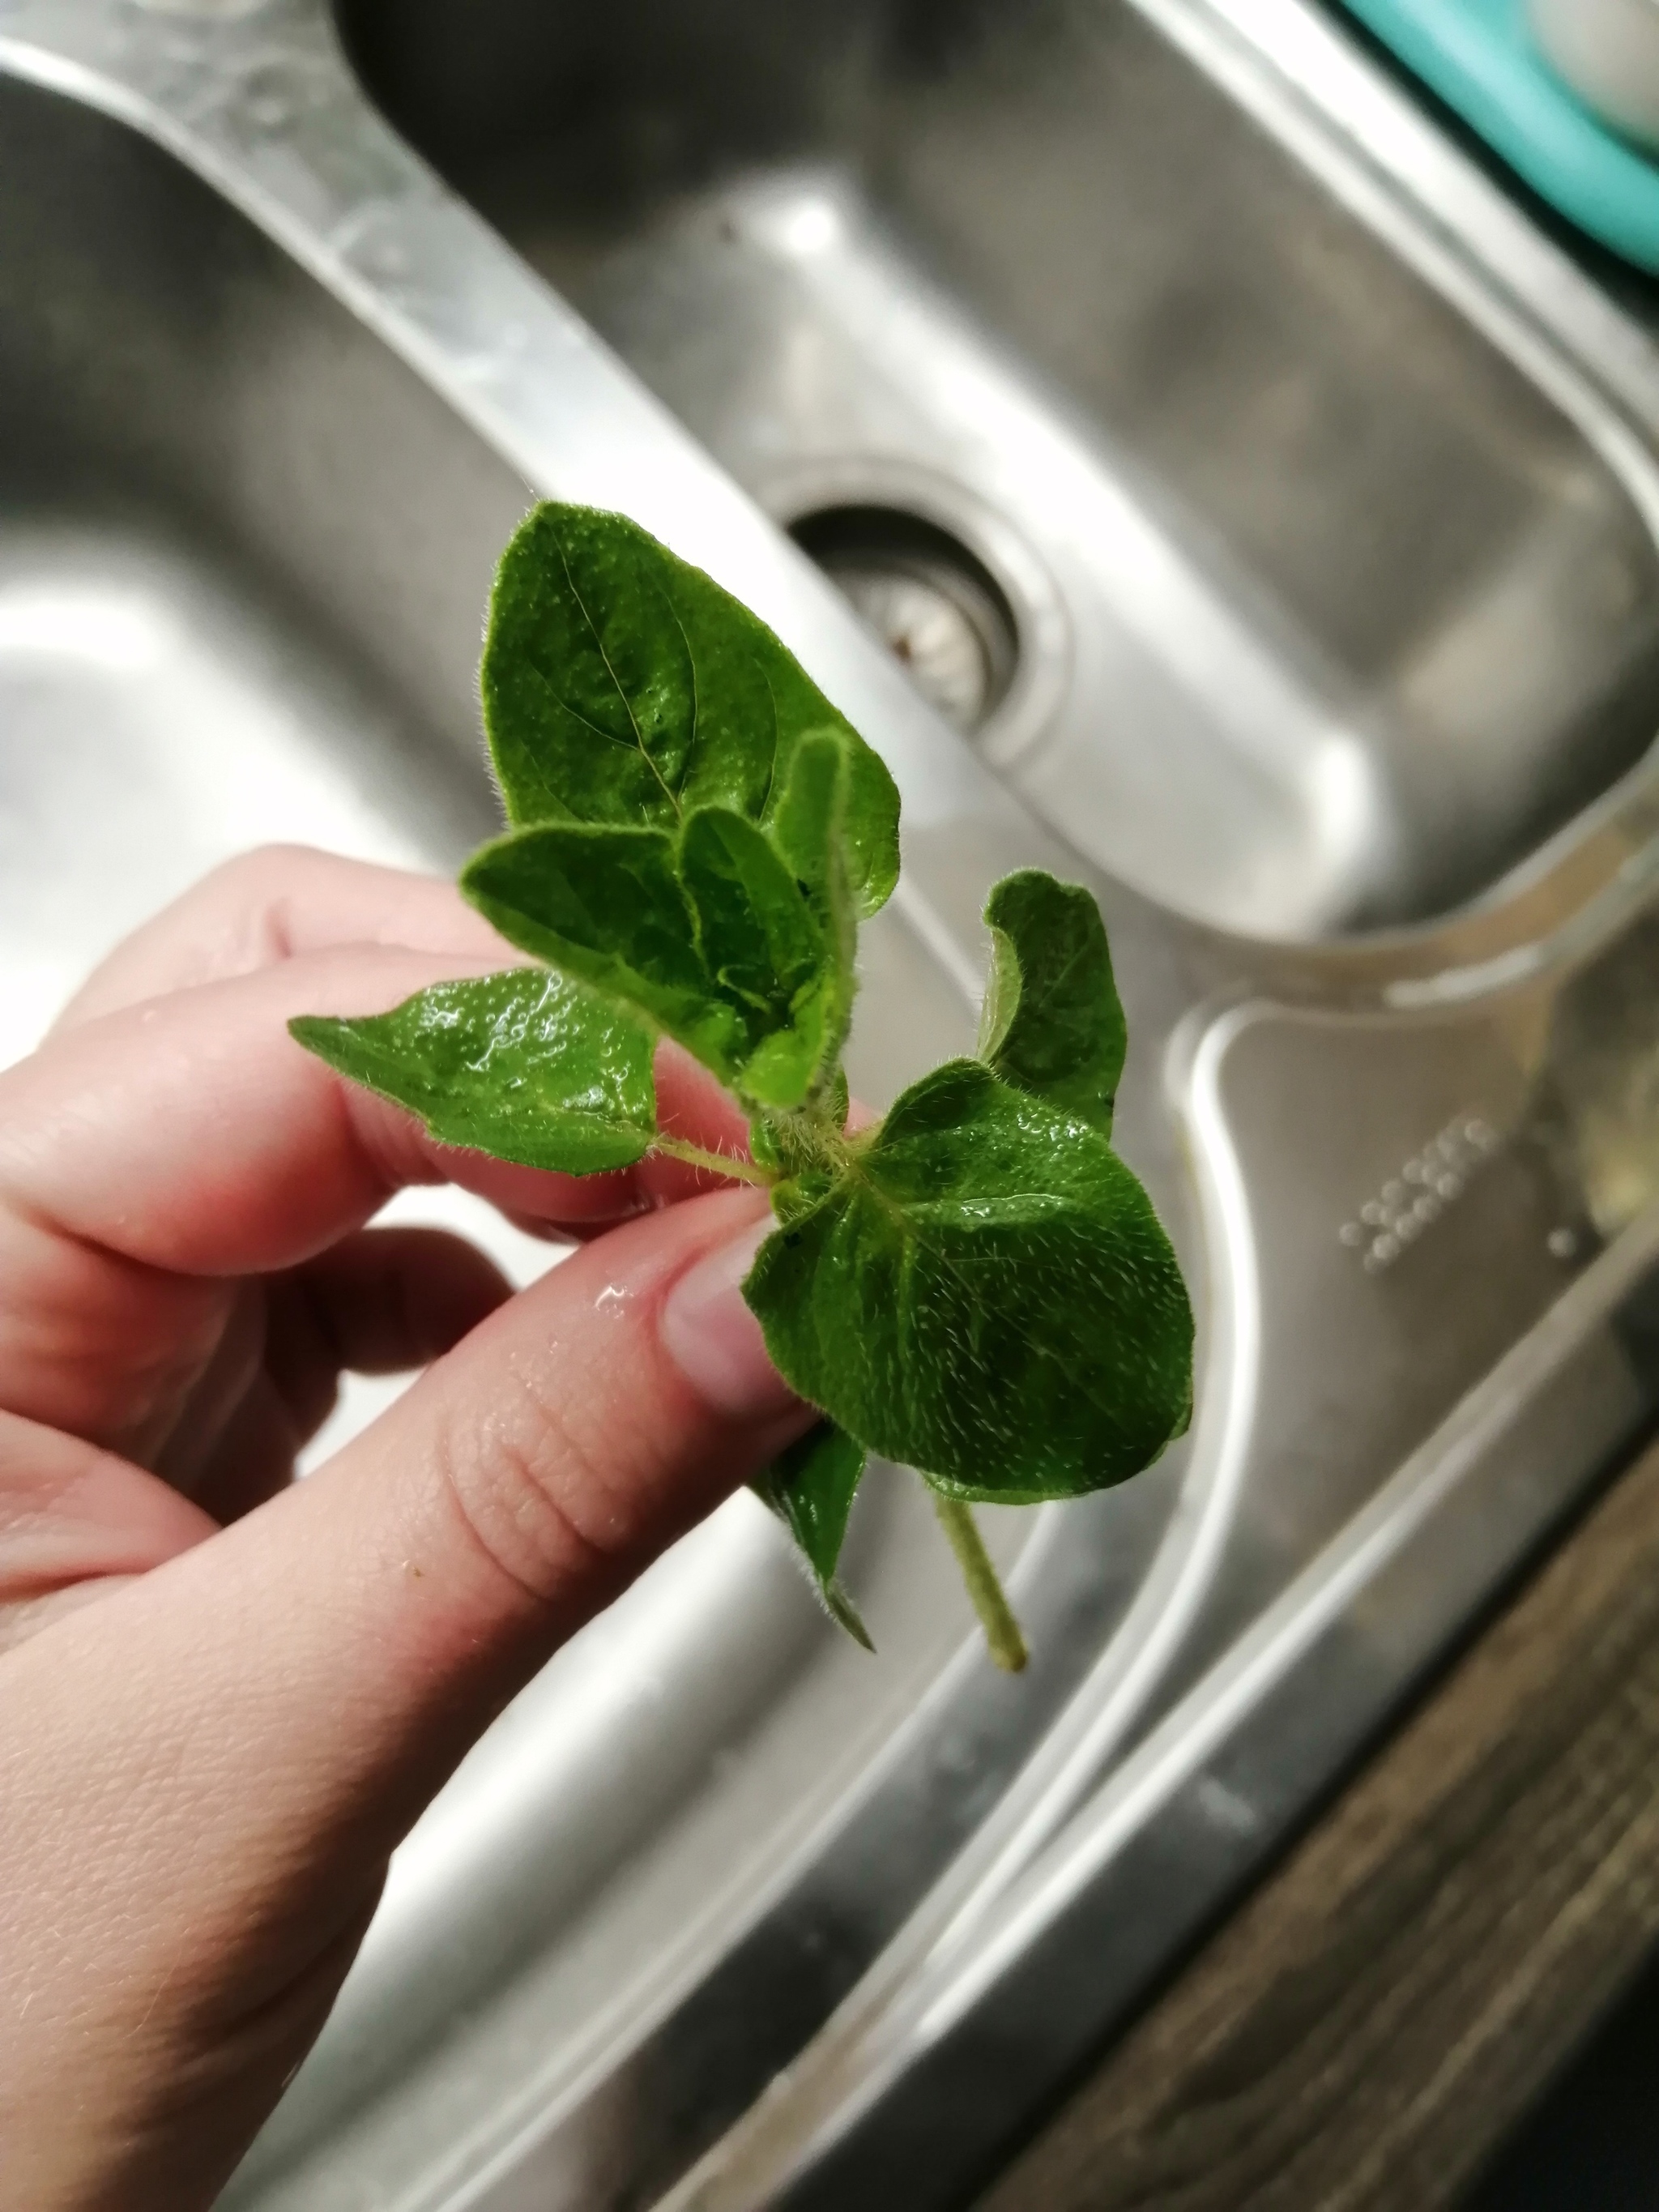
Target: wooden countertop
1363	2031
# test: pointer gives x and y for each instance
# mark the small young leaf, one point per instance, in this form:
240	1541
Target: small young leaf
1052	1023
983	1292
810	1487
764	949
608	906
811	827
522	1065
703	929
623	686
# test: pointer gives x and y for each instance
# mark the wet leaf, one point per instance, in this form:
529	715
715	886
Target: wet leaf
985	1293
522	1065
623	686
811	828
1052	1023
702	929
811	1488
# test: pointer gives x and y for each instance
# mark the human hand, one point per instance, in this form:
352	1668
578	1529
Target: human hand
225	1698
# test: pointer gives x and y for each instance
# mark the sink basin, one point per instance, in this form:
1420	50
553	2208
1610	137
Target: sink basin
1324	615
210	634
1088	395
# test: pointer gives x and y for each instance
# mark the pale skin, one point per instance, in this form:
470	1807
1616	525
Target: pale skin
225	1697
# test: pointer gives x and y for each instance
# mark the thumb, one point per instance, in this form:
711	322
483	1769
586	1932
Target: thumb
201	1775
530	1475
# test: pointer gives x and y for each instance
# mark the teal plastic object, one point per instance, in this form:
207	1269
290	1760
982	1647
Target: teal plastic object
1478	56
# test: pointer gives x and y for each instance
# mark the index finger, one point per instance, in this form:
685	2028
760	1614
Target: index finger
189	1137
192	1134
279	904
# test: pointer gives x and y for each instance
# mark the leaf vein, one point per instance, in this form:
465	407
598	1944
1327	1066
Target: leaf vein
910	1230
628	704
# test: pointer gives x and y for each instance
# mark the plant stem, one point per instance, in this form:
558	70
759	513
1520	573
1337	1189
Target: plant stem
725	1163
1002	1631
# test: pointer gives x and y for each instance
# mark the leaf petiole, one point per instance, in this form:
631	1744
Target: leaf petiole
723	1164
1002	1631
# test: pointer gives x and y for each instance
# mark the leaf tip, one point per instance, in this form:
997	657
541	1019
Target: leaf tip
316	1033
841	1610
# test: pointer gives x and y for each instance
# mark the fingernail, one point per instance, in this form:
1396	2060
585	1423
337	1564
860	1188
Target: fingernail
713	1339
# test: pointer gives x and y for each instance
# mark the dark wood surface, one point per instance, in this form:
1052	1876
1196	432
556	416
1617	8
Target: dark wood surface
1377	2015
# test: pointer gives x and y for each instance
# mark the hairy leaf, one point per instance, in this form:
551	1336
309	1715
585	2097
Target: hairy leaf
763	950
984	1293
978	1286
811	1488
522	1065
623	686
703	929
608	906
1052	1023
811	828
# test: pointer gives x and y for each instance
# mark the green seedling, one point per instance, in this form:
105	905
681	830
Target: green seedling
976	1287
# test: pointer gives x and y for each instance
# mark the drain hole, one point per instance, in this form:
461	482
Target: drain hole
935	605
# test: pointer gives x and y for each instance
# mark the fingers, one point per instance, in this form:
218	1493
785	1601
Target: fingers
385	1302
249	1730
279	904
378	1304
381	1303
76	1522
149	1155
191	1132
252	1457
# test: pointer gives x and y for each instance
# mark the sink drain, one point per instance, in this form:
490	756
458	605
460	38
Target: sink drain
935	605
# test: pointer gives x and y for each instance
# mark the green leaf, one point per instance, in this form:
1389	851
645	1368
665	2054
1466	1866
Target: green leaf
623	687
522	1065
810	1487
1052	1023
703	929
608	906
978	1287
763	950
983	1292
811	827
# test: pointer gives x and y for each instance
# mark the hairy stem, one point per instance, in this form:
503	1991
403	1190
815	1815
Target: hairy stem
725	1163
1002	1631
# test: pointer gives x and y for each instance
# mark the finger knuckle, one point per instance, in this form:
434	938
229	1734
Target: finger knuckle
536	1500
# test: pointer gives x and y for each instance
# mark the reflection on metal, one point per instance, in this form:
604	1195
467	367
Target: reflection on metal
1355	614
1289	553
933	604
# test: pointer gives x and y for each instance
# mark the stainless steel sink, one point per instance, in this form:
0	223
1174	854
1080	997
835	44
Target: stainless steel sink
1322	614
212	630
1261	518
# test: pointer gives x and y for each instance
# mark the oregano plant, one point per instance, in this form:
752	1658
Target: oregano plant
976	1286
